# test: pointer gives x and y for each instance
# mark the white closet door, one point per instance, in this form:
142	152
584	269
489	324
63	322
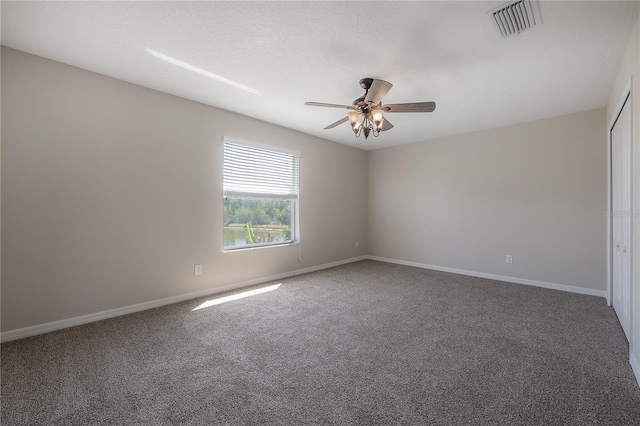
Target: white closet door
621	216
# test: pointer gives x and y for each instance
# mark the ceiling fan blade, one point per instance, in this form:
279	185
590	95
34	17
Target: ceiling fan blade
386	125
321	104
337	123
376	92
412	107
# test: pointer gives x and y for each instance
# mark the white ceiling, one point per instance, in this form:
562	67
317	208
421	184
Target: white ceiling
448	52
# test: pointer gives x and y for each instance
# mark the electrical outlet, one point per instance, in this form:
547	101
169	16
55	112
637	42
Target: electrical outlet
197	269
509	259
357	244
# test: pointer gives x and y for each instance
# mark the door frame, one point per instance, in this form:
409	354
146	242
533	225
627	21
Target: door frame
626	96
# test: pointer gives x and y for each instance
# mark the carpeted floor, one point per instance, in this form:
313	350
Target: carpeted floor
364	343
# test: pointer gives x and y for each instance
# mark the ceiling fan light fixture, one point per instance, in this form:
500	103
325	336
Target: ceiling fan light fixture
366	114
366	125
377	116
356	121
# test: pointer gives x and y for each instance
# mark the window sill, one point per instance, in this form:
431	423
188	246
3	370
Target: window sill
237	249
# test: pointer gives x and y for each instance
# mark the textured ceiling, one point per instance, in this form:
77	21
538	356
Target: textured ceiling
291	52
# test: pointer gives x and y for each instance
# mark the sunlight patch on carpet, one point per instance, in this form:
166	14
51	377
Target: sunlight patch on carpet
236	296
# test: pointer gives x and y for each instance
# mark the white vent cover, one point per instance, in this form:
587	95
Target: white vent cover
515	17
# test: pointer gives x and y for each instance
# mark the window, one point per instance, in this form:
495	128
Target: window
260	196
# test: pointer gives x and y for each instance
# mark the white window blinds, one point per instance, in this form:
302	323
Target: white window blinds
253	172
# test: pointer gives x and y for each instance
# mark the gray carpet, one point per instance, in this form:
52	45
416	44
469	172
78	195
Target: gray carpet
365	343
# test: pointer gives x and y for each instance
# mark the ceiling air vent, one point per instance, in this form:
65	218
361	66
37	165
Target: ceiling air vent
515	17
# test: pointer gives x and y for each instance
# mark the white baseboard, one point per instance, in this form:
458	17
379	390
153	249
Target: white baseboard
111	313
635	366
553	286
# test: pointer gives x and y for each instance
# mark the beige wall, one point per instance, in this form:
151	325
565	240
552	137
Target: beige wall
112	192
630	70
536	191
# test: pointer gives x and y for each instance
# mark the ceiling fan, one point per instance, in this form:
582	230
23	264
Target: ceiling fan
367	112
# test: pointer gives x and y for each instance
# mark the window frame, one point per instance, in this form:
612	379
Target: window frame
294	198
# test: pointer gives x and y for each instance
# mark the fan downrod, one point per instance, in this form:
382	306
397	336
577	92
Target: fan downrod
365	83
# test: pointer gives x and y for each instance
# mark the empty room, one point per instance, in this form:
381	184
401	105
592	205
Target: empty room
319	212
